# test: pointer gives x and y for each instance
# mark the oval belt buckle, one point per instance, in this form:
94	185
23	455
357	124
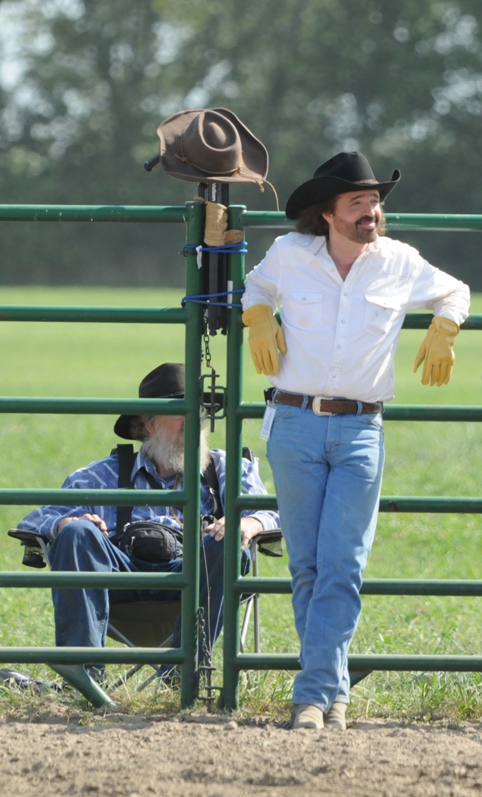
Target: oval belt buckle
316	404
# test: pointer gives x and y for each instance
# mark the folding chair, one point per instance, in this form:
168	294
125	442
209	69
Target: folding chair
268	543
143	624
140	624
135	624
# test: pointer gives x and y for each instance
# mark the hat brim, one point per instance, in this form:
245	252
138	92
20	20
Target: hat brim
255	155
122	426
319	189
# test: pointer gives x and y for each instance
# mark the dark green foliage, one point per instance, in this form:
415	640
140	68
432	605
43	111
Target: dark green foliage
400	81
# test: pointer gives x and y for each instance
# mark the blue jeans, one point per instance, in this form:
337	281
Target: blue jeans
327	472
81	615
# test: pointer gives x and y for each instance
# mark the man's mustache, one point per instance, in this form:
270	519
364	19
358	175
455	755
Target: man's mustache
368	219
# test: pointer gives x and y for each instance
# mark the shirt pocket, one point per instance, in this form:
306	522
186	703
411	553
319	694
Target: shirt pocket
383	312
302	310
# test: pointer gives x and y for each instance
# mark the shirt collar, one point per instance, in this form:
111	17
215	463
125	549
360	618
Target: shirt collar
374	246
142	461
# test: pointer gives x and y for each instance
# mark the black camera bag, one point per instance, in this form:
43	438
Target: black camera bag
150	541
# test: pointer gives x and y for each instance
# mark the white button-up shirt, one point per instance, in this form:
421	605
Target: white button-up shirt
341	335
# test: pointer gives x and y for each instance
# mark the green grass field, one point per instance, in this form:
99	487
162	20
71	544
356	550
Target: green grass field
431	458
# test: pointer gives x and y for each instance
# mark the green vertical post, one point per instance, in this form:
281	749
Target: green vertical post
192	512
232	550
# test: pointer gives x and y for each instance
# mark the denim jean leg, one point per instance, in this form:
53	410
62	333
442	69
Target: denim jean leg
327	472
81	615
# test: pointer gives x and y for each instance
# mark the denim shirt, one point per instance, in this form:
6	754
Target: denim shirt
103	475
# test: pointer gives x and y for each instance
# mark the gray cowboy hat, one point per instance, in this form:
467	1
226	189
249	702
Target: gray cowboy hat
345	172
211	145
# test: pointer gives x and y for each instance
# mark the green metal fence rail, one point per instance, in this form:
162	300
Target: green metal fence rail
100	213
420	222
236	411
96	315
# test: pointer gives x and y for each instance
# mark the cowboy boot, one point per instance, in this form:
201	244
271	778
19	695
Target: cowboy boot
335	718
306	716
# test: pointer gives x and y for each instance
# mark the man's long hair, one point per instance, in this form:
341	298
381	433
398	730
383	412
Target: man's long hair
311	220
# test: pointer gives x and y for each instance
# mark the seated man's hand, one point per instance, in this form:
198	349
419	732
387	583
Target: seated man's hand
95	519
216	529
250	527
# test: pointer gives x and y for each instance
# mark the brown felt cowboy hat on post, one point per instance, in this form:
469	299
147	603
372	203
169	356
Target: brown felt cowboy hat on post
165	381
345	172
211	145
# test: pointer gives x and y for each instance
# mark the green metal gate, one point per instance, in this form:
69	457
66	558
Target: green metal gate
234	661
191	316
188	498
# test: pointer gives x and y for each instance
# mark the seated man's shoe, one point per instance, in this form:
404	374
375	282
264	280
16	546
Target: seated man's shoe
306	716
335	718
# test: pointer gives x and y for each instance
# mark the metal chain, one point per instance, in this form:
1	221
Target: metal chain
206	668
207	350
206	356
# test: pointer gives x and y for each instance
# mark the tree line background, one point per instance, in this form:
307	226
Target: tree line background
84	85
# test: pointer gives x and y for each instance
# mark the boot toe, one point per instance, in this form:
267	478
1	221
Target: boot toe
335	718
306	716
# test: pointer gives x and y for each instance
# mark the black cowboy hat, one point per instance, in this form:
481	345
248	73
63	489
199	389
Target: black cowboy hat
206	145
345	172
165	381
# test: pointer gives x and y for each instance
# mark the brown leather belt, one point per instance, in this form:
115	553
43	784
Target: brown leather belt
321	406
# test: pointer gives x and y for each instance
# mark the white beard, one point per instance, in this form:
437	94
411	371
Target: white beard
170	453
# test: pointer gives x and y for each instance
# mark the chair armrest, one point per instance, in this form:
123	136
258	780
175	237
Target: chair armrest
35	546
31	538
269	542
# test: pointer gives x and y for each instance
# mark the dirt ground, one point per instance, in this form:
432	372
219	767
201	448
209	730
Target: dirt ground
52	751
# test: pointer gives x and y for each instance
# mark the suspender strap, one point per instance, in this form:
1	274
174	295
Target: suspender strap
213	483
126	454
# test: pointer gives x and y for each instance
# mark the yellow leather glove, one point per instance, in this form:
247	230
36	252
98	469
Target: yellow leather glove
265	338
215	228
437	350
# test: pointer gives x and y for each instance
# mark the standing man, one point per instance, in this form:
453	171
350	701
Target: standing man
343	290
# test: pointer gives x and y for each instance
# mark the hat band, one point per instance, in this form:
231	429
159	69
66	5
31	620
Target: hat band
237	170
367	182
207	171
